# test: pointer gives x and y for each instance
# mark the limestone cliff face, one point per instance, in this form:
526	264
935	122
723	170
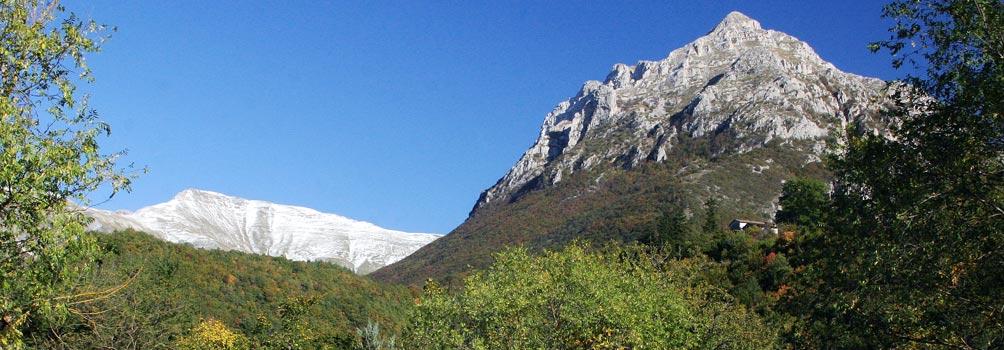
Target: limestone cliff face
739	83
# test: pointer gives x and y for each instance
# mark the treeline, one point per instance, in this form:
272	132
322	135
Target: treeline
688	284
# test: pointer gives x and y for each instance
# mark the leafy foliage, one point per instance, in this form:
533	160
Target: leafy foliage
802	202
211	334
370	339
285	326
49	155
574	299
906	253
271	302
911	256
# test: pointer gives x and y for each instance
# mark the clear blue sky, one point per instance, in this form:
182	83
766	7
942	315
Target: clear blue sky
398	113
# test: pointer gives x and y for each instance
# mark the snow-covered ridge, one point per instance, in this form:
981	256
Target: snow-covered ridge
212	220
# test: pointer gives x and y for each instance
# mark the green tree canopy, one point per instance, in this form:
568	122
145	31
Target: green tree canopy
913	253
803	202
574	299
48	156
711	220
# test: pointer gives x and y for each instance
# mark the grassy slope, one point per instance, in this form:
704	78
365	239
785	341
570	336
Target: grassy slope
623	205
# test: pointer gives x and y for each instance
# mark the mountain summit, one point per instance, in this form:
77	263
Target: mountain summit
735	20
730	116
211	220
740	85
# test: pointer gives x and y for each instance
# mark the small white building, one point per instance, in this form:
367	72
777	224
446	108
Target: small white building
742	224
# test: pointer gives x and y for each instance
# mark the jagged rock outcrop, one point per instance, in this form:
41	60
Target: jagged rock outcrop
729	116
741	81
215	221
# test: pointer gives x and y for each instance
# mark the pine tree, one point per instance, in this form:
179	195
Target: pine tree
711	219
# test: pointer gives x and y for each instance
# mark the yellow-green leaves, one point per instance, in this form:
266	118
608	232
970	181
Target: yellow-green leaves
49	155
211	334
576	299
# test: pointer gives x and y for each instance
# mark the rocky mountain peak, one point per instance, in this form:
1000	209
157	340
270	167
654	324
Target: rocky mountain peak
740	85
736	21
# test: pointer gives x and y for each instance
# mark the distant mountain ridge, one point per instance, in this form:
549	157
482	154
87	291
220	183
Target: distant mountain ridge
211	220
730	116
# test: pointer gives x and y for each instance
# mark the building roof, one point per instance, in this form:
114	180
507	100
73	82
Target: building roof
751	222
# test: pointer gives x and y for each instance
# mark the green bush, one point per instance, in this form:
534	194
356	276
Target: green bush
575	299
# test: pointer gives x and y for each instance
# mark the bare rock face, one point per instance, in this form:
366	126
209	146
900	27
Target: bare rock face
729	116
215	221
739	82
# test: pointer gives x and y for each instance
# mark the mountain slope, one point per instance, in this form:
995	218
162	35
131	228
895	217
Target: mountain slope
739	82
730	115
171	287
212	220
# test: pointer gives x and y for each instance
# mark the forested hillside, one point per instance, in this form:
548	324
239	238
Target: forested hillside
626	206
147	294
609	233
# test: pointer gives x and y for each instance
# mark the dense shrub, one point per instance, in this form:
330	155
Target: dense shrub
575	299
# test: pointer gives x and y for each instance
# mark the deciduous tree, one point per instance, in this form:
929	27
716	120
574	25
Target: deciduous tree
803	202
49	155
913	253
